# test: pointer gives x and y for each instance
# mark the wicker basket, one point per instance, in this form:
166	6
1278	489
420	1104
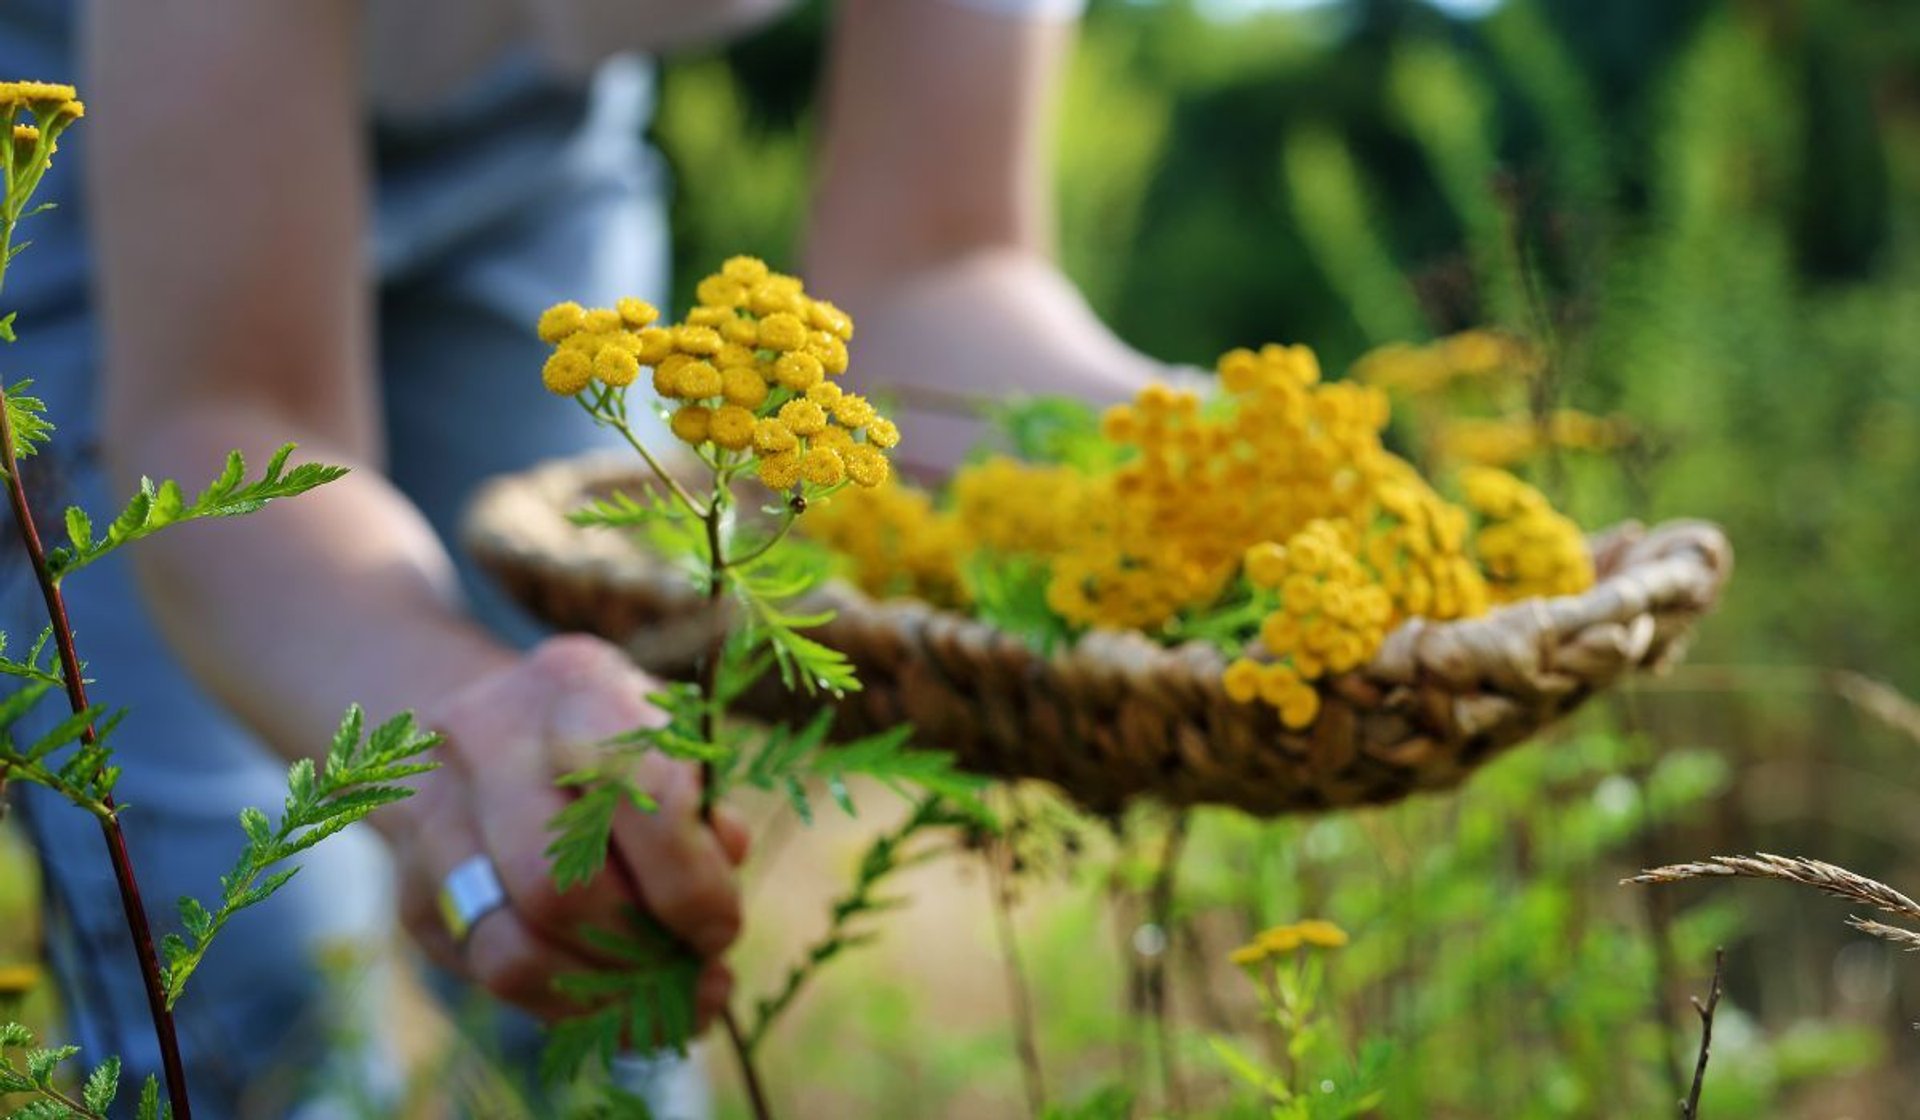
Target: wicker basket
1117	716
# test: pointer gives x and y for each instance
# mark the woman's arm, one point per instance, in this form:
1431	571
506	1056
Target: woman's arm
933	218
229	202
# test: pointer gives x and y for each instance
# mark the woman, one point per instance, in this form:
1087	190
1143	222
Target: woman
333	222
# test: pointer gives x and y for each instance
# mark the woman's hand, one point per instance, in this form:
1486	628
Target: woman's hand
952	338
508	735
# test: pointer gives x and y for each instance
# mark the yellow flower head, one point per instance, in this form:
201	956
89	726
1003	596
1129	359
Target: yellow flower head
798	371
782	330
831	351
699	380
744	270
881	432
741	331
852	411
556	322
600	320
866	466
616	366
692	424
731	427
824	316
701	342
771	436
721	290
781	471
742	385
823	466
1278	941
803	417
566	372
635	313
656	343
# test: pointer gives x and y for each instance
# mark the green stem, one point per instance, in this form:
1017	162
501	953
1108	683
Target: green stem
881	860
619	424
766	546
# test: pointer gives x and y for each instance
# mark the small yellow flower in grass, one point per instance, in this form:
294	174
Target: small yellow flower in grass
866	466
566	372
635	313
616	366
699	380
797	371
823	466
804	417
744	269
556	322
692	424
781	471
881	432
731	427
742	385
782	330
852	411
1278	941
655	344
772	437
699	341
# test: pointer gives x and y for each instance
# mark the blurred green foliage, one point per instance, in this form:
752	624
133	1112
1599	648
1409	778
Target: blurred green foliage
1709	212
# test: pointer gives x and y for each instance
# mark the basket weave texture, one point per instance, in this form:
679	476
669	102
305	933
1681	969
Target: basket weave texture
1116	715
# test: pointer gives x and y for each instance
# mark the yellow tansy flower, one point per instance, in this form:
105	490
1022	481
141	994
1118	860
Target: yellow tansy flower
566	372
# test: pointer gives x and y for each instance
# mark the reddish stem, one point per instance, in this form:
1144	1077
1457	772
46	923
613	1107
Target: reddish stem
136	913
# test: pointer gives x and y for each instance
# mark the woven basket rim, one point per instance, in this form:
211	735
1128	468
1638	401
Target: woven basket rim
520	519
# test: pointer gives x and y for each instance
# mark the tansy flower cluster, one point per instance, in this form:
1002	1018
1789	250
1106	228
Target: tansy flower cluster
1470	356
1507	441
49	109
1279	941
748	377
1276	504
1525	546
895	543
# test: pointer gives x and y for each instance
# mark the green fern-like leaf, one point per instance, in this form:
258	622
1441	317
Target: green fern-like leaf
156	506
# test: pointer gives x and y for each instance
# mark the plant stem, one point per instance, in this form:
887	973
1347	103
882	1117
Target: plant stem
710	731
881	860
1160	913
135	912
1690	1108
619	424
999	857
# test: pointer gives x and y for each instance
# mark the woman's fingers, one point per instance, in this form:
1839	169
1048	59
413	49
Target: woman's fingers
685	875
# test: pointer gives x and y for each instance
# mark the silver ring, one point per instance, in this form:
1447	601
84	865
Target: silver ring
469	893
